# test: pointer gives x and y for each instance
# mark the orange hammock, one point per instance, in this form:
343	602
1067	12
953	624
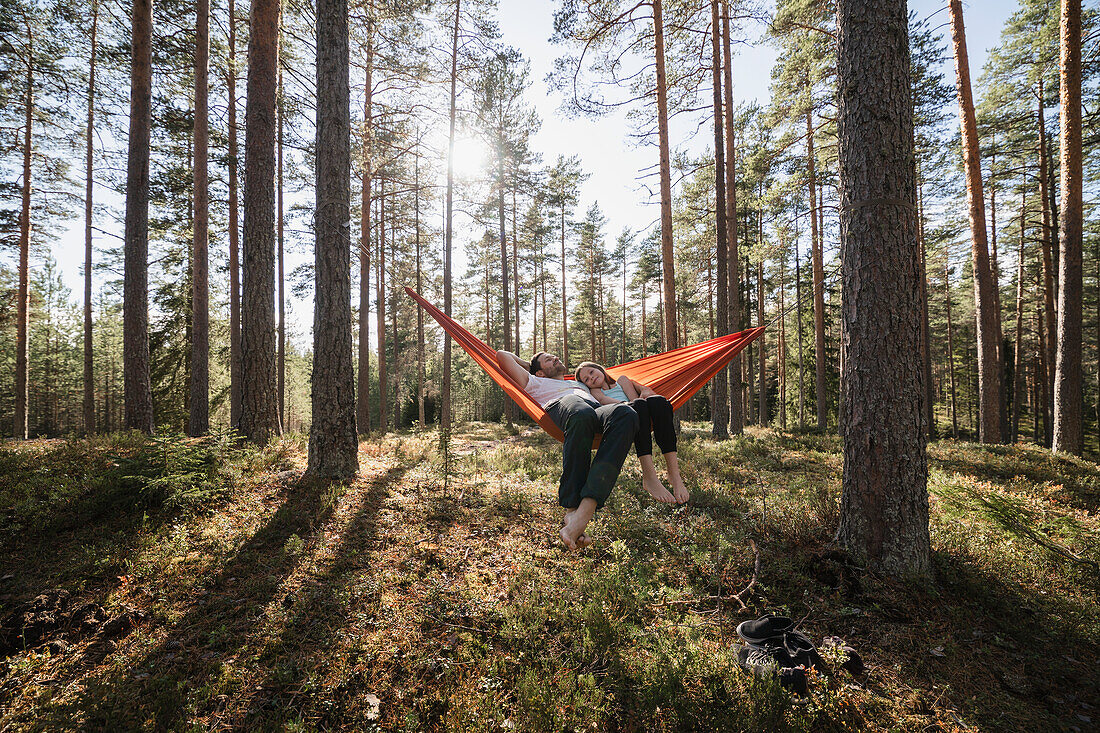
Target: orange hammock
676	374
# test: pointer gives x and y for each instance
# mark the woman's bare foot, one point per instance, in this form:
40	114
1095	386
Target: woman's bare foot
657	490
679	491
680	494
651	483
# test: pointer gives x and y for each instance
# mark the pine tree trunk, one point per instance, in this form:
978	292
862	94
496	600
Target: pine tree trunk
280	274
445	397
762	391
234	229
1018	361
333	444
733	267
420	407
989	372
89	377
259	391
819	281
884	505
798	320
1045	369
135	350
564	314
782	353
1068	433
720	395
22	392
199	418
925	331
667	254
504	275
380	281
362	399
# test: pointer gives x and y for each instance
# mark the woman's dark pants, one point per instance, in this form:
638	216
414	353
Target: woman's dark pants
654	414
582	476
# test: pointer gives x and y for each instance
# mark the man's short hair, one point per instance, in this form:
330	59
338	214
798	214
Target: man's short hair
535	362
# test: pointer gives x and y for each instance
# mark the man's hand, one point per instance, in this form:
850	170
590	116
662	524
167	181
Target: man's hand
514	367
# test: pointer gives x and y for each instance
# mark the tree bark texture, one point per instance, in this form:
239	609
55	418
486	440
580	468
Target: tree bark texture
989	372
333	443
362	403
234	234
199	418
884	505
280	275
667	254
137	383
19	426
1068	431
89	377
259	394
720	412
733	268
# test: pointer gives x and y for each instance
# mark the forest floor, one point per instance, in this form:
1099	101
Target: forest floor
194	585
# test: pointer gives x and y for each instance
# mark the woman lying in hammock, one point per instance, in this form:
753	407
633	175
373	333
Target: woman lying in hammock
654	414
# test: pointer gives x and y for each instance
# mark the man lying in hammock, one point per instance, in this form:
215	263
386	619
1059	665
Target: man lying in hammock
585	482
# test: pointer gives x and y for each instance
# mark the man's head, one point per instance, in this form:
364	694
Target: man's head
547	365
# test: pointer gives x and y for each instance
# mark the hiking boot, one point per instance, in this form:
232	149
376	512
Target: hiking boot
764	629
762	662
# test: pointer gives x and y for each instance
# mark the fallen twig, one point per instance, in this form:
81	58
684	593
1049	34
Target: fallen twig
755	574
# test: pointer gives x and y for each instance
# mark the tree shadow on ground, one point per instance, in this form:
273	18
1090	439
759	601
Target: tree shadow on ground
219	625
986	646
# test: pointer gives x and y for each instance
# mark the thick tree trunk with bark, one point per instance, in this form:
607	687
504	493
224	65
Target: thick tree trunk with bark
989	372
1068	431
259	394
667	254
1049	345
234	228
135	300
89	377
884	505
333	444
199	418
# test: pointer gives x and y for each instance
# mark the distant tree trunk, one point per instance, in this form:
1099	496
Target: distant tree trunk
515	274
1044	392
798	320
280	276
733	267
393	324
564	314
1096	258
234	229
645	335
721	401
89	377
504	275
1068	433
925	331
762	392
984	298
362	403
884	505
259	403
667	254
419	311
135	350
445	397
1049	345
1018	361
333	444
380	281
22	392
782	352
750	373
819	281
199	419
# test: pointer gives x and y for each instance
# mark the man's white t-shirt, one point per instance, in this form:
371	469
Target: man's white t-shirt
545	390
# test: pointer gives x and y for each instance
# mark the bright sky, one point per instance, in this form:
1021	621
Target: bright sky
604	150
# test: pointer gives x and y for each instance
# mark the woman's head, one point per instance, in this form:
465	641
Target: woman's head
591	374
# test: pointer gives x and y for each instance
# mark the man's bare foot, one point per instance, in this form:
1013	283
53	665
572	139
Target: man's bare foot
657	490
584	541
576	521
567	539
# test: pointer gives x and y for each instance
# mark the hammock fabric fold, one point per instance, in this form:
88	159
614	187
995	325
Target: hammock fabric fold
676	374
